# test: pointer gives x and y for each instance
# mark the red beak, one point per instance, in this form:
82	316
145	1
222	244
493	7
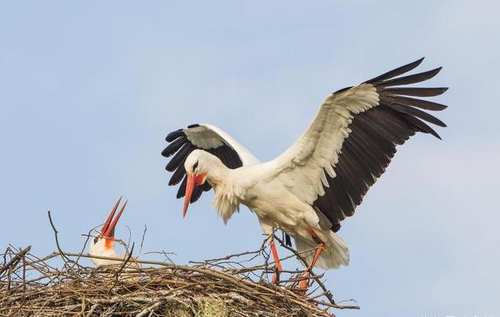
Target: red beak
108	229
192	182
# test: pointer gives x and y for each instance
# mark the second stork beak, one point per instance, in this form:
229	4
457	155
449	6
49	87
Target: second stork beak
108	229
192	181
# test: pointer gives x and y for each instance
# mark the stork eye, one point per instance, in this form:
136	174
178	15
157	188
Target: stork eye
96	239
195	166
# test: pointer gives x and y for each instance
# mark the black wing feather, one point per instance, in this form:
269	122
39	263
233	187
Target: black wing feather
417	113
182	188
180	147
416	91
174	135
373	137
174	146
179	157
396	72
411	79
178	175
417	103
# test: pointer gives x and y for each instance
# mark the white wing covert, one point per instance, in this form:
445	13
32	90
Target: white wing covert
353	138
205	137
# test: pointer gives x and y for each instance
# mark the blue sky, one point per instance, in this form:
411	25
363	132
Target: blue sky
88	91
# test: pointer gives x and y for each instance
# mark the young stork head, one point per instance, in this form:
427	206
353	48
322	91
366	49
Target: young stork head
200	167
104	243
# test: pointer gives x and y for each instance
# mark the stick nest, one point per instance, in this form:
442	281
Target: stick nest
58	285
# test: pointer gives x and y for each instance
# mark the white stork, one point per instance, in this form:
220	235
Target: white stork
104	243
321	179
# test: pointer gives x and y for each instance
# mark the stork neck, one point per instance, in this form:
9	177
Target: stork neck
226	187
218	175
102	248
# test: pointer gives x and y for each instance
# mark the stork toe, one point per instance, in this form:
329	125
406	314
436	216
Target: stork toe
304	281
276	277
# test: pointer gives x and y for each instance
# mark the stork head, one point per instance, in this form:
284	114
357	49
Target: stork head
199	165
103	243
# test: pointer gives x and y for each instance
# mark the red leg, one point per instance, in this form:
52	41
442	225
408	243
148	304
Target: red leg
277	263
304	282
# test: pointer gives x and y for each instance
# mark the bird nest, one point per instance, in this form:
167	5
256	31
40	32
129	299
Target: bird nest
234	285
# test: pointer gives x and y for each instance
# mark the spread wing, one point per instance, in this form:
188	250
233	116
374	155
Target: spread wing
353	138
205	137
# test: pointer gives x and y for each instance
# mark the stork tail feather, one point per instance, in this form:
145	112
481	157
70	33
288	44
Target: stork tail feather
335	254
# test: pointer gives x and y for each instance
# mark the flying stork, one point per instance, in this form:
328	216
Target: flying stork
104	243
320	180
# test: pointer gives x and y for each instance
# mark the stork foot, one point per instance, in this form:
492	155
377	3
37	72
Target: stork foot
276	276
278	267
305	278
304	282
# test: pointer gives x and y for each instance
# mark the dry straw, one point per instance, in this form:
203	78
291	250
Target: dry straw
59	285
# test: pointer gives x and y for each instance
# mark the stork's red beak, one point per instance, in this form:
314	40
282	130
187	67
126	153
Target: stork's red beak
108	229
192	181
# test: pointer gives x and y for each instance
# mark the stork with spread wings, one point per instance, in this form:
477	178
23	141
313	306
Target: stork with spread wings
320	180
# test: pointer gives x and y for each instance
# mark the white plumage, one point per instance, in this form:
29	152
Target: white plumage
104	243
310	188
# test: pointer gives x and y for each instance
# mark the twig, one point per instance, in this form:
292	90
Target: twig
326	291
13	262
149	309
65	258
125	261
165	254
143	237
234	279
337	306
87	238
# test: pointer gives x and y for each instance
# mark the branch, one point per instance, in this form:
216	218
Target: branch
15	259
143	237
65	258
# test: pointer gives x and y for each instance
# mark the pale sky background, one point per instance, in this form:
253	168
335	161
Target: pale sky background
89	89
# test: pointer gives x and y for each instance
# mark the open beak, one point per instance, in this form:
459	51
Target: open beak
192	181
108	229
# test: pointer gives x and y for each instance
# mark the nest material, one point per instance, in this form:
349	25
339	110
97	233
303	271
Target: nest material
32	286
